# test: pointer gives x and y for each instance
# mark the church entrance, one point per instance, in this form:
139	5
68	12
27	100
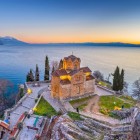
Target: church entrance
78	89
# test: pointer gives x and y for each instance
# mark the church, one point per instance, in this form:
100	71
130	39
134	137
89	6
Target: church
71	80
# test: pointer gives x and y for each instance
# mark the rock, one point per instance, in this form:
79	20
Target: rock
124	113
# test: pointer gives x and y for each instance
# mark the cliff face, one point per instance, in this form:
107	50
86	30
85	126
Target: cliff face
85	128
136	128
65	128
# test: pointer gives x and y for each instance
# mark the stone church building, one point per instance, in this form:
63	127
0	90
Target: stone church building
71	80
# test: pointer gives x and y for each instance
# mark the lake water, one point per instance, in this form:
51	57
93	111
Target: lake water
15	61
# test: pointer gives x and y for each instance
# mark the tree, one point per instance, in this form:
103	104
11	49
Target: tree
5	86
61	64
122	80
37	73
20	125
116	79
46	75
98	75
6	101
125	87
136	89
30	76
55	65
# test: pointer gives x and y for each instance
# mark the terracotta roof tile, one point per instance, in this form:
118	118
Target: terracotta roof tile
59	72
73	72
72	57
85	69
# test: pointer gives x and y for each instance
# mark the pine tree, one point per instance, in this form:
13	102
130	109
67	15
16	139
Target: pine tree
61	64
27	77
46	75
122	80
37	73
116	79
31	76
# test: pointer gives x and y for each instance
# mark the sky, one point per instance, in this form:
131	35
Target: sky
54	21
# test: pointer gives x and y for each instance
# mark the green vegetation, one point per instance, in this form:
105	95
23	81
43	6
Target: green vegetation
105	84
30	76
81	107
44	109
47	67
108	103
78	101
36	100
37	73
118	79
74	116
128	99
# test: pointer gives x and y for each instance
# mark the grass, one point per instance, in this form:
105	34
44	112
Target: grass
104	84
78	101
81	107
44	109
74	116
128	98
107	104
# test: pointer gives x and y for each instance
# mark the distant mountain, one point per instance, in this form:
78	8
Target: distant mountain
111	44
11	41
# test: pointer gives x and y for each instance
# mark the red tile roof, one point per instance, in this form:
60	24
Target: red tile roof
85	69
73	72
72	57
60	72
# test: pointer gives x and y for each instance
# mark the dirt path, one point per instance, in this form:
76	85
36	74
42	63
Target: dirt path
93	106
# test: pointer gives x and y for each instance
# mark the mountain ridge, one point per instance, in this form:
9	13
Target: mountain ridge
7	40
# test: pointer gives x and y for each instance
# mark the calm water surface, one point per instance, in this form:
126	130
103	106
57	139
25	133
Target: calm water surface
15	61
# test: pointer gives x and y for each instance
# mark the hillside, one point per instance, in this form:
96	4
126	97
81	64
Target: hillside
11	41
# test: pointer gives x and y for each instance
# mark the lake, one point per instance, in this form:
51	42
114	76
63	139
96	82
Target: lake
15	61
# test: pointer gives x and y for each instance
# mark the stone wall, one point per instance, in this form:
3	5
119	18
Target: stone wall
65	91
89	86
55	87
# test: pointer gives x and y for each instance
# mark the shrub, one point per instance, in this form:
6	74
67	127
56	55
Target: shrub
74	116
12	138
25	113
36	100
38	96
28	116
20	125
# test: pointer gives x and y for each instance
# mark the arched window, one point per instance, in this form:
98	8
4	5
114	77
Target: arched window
77	78
78	89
